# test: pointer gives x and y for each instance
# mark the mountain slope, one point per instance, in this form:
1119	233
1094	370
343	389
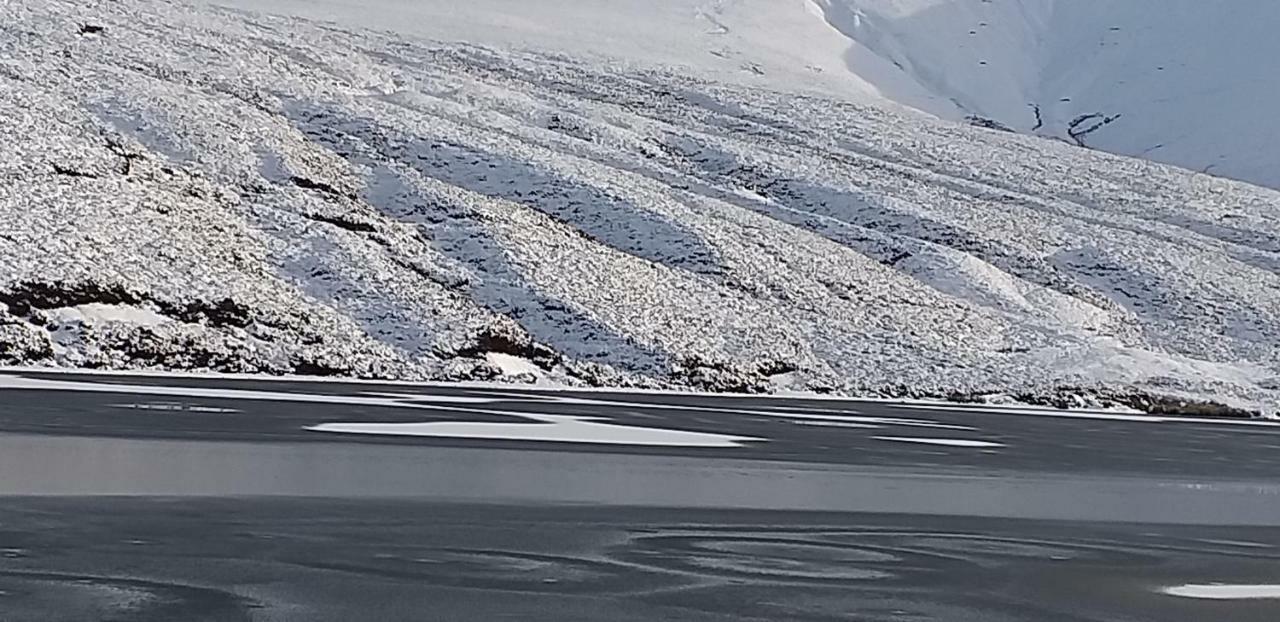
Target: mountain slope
1186	82
1189	82
204	189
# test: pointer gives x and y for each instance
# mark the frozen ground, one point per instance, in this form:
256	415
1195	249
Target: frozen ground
192	188
1187	82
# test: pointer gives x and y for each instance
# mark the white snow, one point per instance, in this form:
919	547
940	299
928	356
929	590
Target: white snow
860	421
513	365
1191	81
761	42
302	198
548	428
98	312
944	442
67	325
1219	591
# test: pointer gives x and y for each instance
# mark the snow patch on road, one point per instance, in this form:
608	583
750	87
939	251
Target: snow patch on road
1220	591
944	442
547	428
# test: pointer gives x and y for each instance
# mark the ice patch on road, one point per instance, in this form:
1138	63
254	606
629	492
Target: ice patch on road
945	442
547	428
1218	591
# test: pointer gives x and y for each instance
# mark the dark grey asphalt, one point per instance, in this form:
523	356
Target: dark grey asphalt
143	503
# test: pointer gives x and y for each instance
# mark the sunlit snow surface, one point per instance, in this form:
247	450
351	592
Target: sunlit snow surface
1190	83
268	195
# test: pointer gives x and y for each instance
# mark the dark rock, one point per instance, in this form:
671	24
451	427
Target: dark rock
22	298
990	124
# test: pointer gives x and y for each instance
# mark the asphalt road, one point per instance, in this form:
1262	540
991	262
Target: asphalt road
135	498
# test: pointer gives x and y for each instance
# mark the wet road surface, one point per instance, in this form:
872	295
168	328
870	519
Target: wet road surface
141	498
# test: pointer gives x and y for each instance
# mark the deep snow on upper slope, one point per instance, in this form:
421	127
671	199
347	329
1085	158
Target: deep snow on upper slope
783	44
204	189
1188	82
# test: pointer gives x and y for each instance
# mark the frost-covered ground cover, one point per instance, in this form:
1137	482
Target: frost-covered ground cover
196	188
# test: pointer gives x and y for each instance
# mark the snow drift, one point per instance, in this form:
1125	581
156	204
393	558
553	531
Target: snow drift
205	189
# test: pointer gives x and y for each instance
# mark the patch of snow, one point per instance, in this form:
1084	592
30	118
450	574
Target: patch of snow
779	43
98	312
513	365
944	442
783	383
548	428
1220	591
313	199
1039	65
1036	66
68	326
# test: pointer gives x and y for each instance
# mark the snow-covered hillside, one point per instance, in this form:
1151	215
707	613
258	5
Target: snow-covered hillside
1188	82
203	189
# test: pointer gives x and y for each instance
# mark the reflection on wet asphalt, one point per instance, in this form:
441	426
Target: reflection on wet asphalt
215	500
310	559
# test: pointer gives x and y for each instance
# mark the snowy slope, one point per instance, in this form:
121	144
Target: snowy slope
783	44
1187	82
204	189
